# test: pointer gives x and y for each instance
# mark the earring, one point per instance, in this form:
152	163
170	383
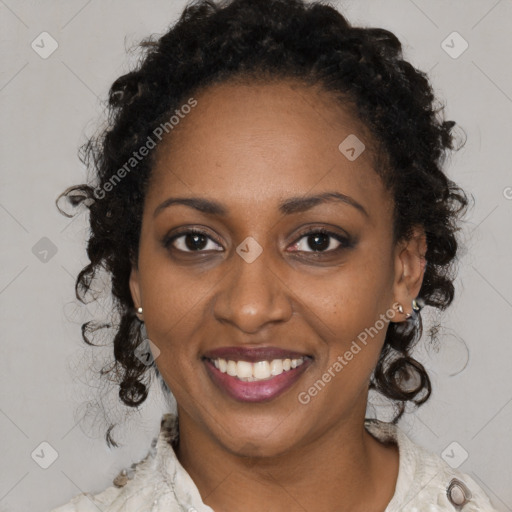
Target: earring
415	306
139	310
401	311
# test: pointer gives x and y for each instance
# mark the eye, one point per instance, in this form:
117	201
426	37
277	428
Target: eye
321	241
192	240
318	240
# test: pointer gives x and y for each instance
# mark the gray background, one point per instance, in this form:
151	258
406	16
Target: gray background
49	106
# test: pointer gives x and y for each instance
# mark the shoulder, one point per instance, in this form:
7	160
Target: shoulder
424	478
134	487
86	502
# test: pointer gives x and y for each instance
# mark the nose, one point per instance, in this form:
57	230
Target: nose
252	296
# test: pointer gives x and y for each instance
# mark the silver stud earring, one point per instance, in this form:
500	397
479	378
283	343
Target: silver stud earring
415	306
139	310
400	308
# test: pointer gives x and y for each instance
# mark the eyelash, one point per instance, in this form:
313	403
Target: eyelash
345	242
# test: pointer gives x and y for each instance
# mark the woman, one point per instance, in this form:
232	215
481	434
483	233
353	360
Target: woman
270	202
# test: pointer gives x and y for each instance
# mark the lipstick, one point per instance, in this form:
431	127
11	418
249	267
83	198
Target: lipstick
289	365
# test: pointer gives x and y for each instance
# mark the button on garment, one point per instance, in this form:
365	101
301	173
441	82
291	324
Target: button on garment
458	493
159	483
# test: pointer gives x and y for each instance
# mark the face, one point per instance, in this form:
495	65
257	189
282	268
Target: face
278	240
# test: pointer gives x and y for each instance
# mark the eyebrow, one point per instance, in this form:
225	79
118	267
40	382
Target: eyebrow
291	205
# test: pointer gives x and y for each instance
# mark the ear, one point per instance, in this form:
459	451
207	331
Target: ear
410	266
134	284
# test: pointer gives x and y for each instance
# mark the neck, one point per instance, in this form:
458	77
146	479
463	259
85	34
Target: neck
344	465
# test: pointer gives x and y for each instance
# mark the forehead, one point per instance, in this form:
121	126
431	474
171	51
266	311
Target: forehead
281	138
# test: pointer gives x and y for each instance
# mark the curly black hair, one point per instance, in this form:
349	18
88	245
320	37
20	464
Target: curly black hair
251	40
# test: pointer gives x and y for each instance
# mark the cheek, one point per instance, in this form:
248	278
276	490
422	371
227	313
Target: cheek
350	311
353	296
173	304
174	313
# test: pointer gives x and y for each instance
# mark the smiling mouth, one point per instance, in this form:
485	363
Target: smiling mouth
247	371
256	381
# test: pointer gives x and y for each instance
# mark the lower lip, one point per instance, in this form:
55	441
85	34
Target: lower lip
257	391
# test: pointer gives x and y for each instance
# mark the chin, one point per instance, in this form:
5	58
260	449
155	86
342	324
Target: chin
258	448
263	437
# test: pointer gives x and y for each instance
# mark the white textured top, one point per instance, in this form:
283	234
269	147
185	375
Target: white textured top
159	483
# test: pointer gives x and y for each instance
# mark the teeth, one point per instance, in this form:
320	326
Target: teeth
276	367
243	369
231	369
261	370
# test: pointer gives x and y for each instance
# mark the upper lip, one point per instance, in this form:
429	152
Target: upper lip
253	355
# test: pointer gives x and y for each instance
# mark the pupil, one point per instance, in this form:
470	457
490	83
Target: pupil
195	241
318	241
